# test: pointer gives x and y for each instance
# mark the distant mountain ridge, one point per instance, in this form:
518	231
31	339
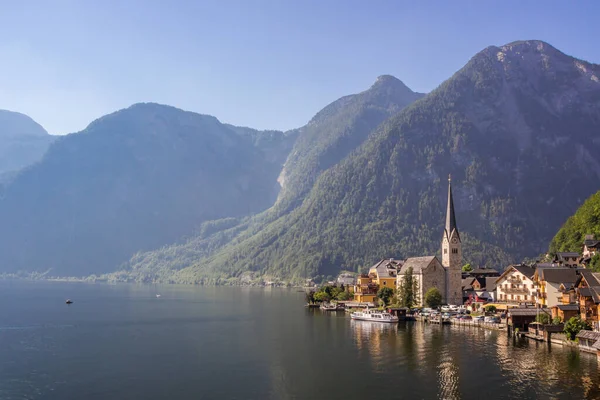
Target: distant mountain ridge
131	181
22	141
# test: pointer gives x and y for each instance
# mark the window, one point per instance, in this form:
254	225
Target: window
445	251
525	297
385	283
454	251
523	277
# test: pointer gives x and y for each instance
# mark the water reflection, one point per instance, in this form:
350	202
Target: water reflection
259	344
466	361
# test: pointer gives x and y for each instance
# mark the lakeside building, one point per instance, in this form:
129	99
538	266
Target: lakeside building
480	289
567	259
382	274
516	286
590	247
550	280
588	293
346	279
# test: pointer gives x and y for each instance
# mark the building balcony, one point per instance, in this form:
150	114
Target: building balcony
514	280
366	291
516	290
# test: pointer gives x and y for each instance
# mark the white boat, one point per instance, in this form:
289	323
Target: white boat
374	316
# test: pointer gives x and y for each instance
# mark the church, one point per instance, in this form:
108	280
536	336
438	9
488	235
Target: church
428	271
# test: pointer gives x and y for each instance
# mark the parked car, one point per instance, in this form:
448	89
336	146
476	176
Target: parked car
466	318
479	318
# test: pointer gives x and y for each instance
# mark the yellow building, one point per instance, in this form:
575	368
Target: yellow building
382	274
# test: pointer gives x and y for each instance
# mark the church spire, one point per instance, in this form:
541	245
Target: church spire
450	217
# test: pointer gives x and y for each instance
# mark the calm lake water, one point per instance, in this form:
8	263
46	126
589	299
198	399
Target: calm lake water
122	342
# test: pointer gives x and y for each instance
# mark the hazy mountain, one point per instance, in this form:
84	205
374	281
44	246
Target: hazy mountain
22	141
336	131
517	128
131	181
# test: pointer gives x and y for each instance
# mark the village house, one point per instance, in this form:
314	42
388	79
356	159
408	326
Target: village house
590	248
565	311
516	286
588	292
564	259
382	274
347	279
479	289
549	282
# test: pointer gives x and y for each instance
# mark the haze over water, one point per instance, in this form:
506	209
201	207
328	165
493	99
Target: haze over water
122	342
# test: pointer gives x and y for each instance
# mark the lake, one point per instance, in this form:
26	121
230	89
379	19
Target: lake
122	342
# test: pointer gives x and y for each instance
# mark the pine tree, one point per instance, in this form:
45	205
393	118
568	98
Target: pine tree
408	289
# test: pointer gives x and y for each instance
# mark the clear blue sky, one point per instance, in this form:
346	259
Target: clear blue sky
265	64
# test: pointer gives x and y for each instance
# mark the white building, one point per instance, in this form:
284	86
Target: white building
516	285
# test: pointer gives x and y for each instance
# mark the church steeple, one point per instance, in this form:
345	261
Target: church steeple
452	253
450	217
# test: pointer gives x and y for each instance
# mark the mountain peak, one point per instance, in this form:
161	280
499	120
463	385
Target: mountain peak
390	82
16	124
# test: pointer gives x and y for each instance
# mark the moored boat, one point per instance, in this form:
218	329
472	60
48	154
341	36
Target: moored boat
374	316
331	307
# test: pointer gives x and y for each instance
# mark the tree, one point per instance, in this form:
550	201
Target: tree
556	321
542	318
310	297
321	297
433	298
491	309
574	325
385	293
408	289
595	263
343	296
467	268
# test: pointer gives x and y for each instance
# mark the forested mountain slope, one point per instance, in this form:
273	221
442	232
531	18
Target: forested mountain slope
586	221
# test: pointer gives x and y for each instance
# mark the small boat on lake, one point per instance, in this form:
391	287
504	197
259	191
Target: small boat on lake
374	316
331	307
69	301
